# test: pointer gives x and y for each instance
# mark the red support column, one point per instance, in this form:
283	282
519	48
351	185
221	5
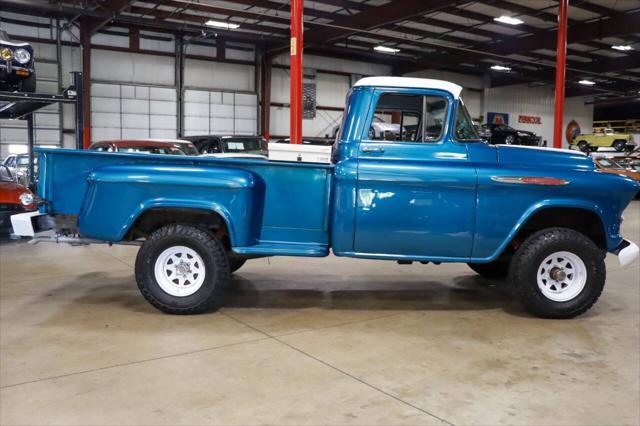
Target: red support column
561	59
297	12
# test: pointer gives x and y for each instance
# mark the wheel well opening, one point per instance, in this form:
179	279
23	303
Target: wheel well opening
581	220
155	218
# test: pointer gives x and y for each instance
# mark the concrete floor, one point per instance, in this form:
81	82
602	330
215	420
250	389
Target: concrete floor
308	341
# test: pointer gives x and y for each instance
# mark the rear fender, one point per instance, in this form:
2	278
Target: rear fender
236	195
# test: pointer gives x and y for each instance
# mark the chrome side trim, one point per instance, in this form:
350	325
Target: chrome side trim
531	180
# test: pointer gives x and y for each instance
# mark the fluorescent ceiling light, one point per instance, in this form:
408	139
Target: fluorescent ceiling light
385	49
221	24
623	47
509	20
587	82
500	68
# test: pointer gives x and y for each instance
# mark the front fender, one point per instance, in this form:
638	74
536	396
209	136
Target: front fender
236	195
487	256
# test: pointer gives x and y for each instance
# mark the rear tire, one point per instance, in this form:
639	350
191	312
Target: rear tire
181	269
558	273
619	145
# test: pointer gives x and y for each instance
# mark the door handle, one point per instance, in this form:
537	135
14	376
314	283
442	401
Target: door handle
377	149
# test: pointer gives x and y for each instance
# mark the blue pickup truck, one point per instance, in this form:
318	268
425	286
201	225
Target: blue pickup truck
431	191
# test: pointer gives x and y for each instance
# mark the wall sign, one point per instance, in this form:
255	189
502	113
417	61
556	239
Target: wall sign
497	118
529	119
572	131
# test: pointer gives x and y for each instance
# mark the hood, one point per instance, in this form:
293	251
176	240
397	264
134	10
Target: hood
549	157
10	192
526	132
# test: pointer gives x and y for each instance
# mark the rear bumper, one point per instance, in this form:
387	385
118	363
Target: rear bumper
627	252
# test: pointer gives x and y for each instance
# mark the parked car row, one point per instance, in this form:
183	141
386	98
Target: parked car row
14	198
210	145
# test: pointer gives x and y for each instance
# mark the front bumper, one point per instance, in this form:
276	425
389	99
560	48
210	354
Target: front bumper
627	252
29	224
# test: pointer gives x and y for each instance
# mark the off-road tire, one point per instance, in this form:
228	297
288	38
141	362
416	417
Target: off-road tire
619	145
235	264
583	146
533	251
209	296
498	269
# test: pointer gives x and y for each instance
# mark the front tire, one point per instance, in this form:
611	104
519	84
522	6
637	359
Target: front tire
558	273
509	140
181	269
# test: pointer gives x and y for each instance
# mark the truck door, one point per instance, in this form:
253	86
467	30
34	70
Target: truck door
416	187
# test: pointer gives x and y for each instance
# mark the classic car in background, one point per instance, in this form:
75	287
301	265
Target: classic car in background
147	146
14	198
17	62
18	165
229	145
499	134
606	139
608	165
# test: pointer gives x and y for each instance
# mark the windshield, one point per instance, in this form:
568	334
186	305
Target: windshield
464	129
5	174
244	146
24	161
153	150
188	148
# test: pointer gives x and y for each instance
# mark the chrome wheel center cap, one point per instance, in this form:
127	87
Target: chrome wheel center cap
558	274
183	268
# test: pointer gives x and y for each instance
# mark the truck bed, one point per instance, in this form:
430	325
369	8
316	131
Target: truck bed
289	202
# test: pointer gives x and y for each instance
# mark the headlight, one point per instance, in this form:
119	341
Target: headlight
26	199
22	56
6	54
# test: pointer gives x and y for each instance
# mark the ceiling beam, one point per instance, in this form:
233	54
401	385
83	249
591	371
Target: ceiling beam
371	18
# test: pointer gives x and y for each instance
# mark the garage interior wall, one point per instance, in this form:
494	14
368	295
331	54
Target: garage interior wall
539	102
134	94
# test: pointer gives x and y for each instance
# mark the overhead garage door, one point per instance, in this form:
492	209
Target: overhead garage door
214	112
121	111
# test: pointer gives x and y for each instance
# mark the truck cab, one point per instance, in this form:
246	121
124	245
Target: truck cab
432	191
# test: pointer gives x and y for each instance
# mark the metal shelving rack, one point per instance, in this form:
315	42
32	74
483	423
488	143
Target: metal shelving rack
21	106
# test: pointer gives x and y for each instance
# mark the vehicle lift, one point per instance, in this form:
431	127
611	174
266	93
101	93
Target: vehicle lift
22	105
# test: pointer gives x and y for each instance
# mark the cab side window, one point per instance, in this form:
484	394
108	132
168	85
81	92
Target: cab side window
408	118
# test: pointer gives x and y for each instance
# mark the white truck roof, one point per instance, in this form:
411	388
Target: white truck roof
421	83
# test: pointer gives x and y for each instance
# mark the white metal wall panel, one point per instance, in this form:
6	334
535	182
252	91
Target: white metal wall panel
133	68
126	111
218	76
212	112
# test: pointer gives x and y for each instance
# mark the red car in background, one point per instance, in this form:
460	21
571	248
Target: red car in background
147	146
14	198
